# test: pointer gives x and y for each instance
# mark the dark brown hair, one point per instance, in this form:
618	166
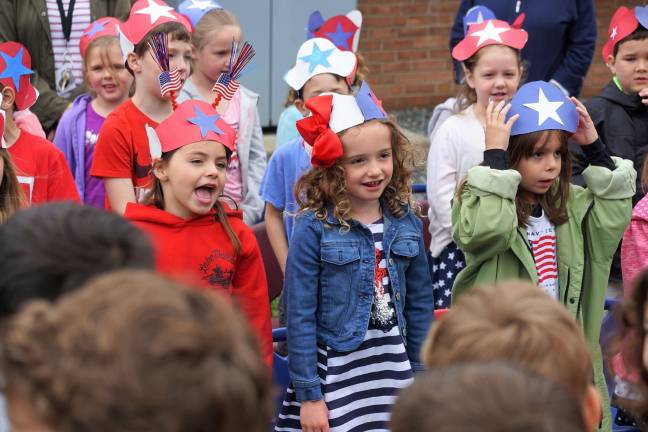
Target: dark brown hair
156	198
485	397
12	197
134	351
467	95
639	34
554	202
174	29
515	322
320	188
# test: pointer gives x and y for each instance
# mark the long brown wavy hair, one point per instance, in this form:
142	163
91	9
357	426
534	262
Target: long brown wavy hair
12	197
321	189
156	198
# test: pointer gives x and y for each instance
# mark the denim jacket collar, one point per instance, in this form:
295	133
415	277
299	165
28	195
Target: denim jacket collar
388	216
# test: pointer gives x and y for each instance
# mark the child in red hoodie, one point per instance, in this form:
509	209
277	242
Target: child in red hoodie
198	238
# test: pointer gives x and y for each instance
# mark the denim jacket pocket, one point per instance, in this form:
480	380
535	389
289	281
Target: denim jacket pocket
340	273
406	246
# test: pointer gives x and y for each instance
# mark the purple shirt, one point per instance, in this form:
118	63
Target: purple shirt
95	193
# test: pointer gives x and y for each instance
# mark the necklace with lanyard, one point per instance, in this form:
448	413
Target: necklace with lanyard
64	76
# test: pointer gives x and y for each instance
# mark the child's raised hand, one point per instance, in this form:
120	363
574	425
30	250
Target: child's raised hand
497	129
586	132
313	416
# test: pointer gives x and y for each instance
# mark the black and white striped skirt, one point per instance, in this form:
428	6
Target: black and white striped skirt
359	387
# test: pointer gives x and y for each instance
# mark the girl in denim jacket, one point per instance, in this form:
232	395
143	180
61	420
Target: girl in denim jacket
358	292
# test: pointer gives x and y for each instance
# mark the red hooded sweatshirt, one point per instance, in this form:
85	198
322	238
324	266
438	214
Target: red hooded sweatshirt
199	252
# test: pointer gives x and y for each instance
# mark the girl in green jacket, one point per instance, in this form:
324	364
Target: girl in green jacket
518	217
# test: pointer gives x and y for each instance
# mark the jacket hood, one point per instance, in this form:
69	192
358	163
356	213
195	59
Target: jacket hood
612	93
151	214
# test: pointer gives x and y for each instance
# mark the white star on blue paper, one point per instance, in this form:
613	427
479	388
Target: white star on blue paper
206	123
203	5
317	58
478	20
14	67
96	28
545	108
340	38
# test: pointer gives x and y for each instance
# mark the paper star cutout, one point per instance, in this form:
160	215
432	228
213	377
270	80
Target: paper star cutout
14	68
545	108
479	20
490	32
203	5
156	11
340	38
206	123
317	57
97	26
614	32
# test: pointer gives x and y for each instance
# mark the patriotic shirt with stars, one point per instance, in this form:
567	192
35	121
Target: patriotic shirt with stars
383	312
445	269
542	236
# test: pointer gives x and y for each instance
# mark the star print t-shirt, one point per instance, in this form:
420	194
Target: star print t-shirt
542	236
95	193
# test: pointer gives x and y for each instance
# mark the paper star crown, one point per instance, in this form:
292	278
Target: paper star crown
107	26
332	113
623	23
144	16
342	30
195	9
193	121
477	15
317	56
490	32
15	64
542	106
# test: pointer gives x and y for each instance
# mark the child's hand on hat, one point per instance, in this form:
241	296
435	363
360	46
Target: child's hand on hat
643	94
497	129
586	132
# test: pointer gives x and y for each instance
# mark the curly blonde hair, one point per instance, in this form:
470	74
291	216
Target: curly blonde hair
133	351
323	188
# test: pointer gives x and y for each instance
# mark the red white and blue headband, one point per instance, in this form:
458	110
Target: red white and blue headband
194	10
106	26
342	30
490	32
623	23
331	114
317	56
15	69
542	106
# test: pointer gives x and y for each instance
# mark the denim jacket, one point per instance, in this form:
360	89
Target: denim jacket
329	290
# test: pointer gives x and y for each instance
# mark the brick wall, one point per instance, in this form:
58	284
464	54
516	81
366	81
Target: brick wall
405	45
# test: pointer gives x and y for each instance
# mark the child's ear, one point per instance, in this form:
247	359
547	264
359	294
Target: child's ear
159	170
133	62
610	62
468	76
8	98
592	410
301	107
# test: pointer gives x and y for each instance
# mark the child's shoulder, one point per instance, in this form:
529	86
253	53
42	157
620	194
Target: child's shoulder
640	210
462	120
293	149
37	144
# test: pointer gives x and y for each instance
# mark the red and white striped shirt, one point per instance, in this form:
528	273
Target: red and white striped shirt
80	20
542	235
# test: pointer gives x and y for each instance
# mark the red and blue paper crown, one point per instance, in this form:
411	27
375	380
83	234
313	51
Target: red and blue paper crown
145	15
195	9
542	106
342	30
317	56
476	15
15	69
106	26
332	113
191	122
623	23
490	32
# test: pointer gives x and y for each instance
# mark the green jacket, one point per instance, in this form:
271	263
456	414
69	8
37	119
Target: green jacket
485	227
26	21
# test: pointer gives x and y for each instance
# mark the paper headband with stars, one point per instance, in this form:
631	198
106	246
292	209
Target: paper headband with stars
342	30
624	22
332	113
15	69
542	106
476	15
106	26
317	56
144	16
193	121
489	32
195	9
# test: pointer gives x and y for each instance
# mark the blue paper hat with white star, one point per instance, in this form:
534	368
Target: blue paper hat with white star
476	15
542	106
194	10
317	56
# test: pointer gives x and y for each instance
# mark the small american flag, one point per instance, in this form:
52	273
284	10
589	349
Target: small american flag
226	86
170	81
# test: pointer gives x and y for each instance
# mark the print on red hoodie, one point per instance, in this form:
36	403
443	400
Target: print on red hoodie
198	251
